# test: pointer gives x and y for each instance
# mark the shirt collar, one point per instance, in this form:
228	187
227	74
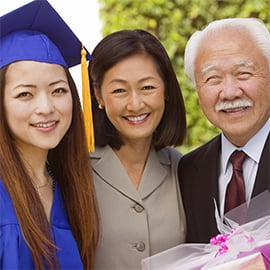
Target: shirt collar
253	148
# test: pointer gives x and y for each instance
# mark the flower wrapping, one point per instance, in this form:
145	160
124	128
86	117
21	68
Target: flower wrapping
245	246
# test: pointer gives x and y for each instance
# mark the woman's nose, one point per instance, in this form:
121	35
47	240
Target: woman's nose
135	101
45	104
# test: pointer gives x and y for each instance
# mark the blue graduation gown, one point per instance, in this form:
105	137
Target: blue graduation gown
14	252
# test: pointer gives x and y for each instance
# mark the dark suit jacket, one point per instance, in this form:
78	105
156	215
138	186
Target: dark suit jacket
198	175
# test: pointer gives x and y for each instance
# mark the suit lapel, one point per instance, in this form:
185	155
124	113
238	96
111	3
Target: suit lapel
207	167
108	167
199	189
154	173
262	181
110	170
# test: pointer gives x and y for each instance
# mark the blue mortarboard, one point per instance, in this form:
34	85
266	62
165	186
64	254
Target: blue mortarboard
37	32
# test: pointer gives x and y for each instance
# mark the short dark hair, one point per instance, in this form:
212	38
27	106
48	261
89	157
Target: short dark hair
118	46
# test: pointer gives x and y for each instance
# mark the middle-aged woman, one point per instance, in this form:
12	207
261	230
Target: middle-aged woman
139	114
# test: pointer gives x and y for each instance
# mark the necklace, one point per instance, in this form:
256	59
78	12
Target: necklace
49	182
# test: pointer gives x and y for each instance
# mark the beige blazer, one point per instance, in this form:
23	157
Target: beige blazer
137	223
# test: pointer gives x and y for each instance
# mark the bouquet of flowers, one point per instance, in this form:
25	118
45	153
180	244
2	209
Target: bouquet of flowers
237	246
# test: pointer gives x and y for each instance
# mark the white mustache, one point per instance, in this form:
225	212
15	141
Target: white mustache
238	103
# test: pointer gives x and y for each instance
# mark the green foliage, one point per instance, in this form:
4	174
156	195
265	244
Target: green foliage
173	22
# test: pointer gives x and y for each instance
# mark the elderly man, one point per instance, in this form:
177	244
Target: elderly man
229	65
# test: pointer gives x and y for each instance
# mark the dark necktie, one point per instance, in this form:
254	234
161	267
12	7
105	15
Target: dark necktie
235	194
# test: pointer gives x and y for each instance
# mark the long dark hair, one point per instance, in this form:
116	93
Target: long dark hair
114	48
69	162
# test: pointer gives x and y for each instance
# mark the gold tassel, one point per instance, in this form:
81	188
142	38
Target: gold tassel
87	104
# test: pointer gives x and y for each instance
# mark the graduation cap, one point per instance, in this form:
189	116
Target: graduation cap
37	32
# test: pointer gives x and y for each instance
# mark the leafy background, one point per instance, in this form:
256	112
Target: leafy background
173	22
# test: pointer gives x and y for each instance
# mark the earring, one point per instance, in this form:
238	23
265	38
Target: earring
100	107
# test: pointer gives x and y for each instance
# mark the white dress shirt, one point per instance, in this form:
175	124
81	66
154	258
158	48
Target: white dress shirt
253	148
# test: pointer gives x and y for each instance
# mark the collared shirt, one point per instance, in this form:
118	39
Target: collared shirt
253	148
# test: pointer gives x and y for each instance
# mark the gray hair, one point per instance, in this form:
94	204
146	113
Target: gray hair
254	27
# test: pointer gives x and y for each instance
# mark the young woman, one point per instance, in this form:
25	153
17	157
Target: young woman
48	214
139	115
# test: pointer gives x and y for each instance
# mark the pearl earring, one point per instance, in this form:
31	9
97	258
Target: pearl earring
100	107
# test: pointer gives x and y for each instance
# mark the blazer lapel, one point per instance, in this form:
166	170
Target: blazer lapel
199	188
208	172
262	181
155	172
108	167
